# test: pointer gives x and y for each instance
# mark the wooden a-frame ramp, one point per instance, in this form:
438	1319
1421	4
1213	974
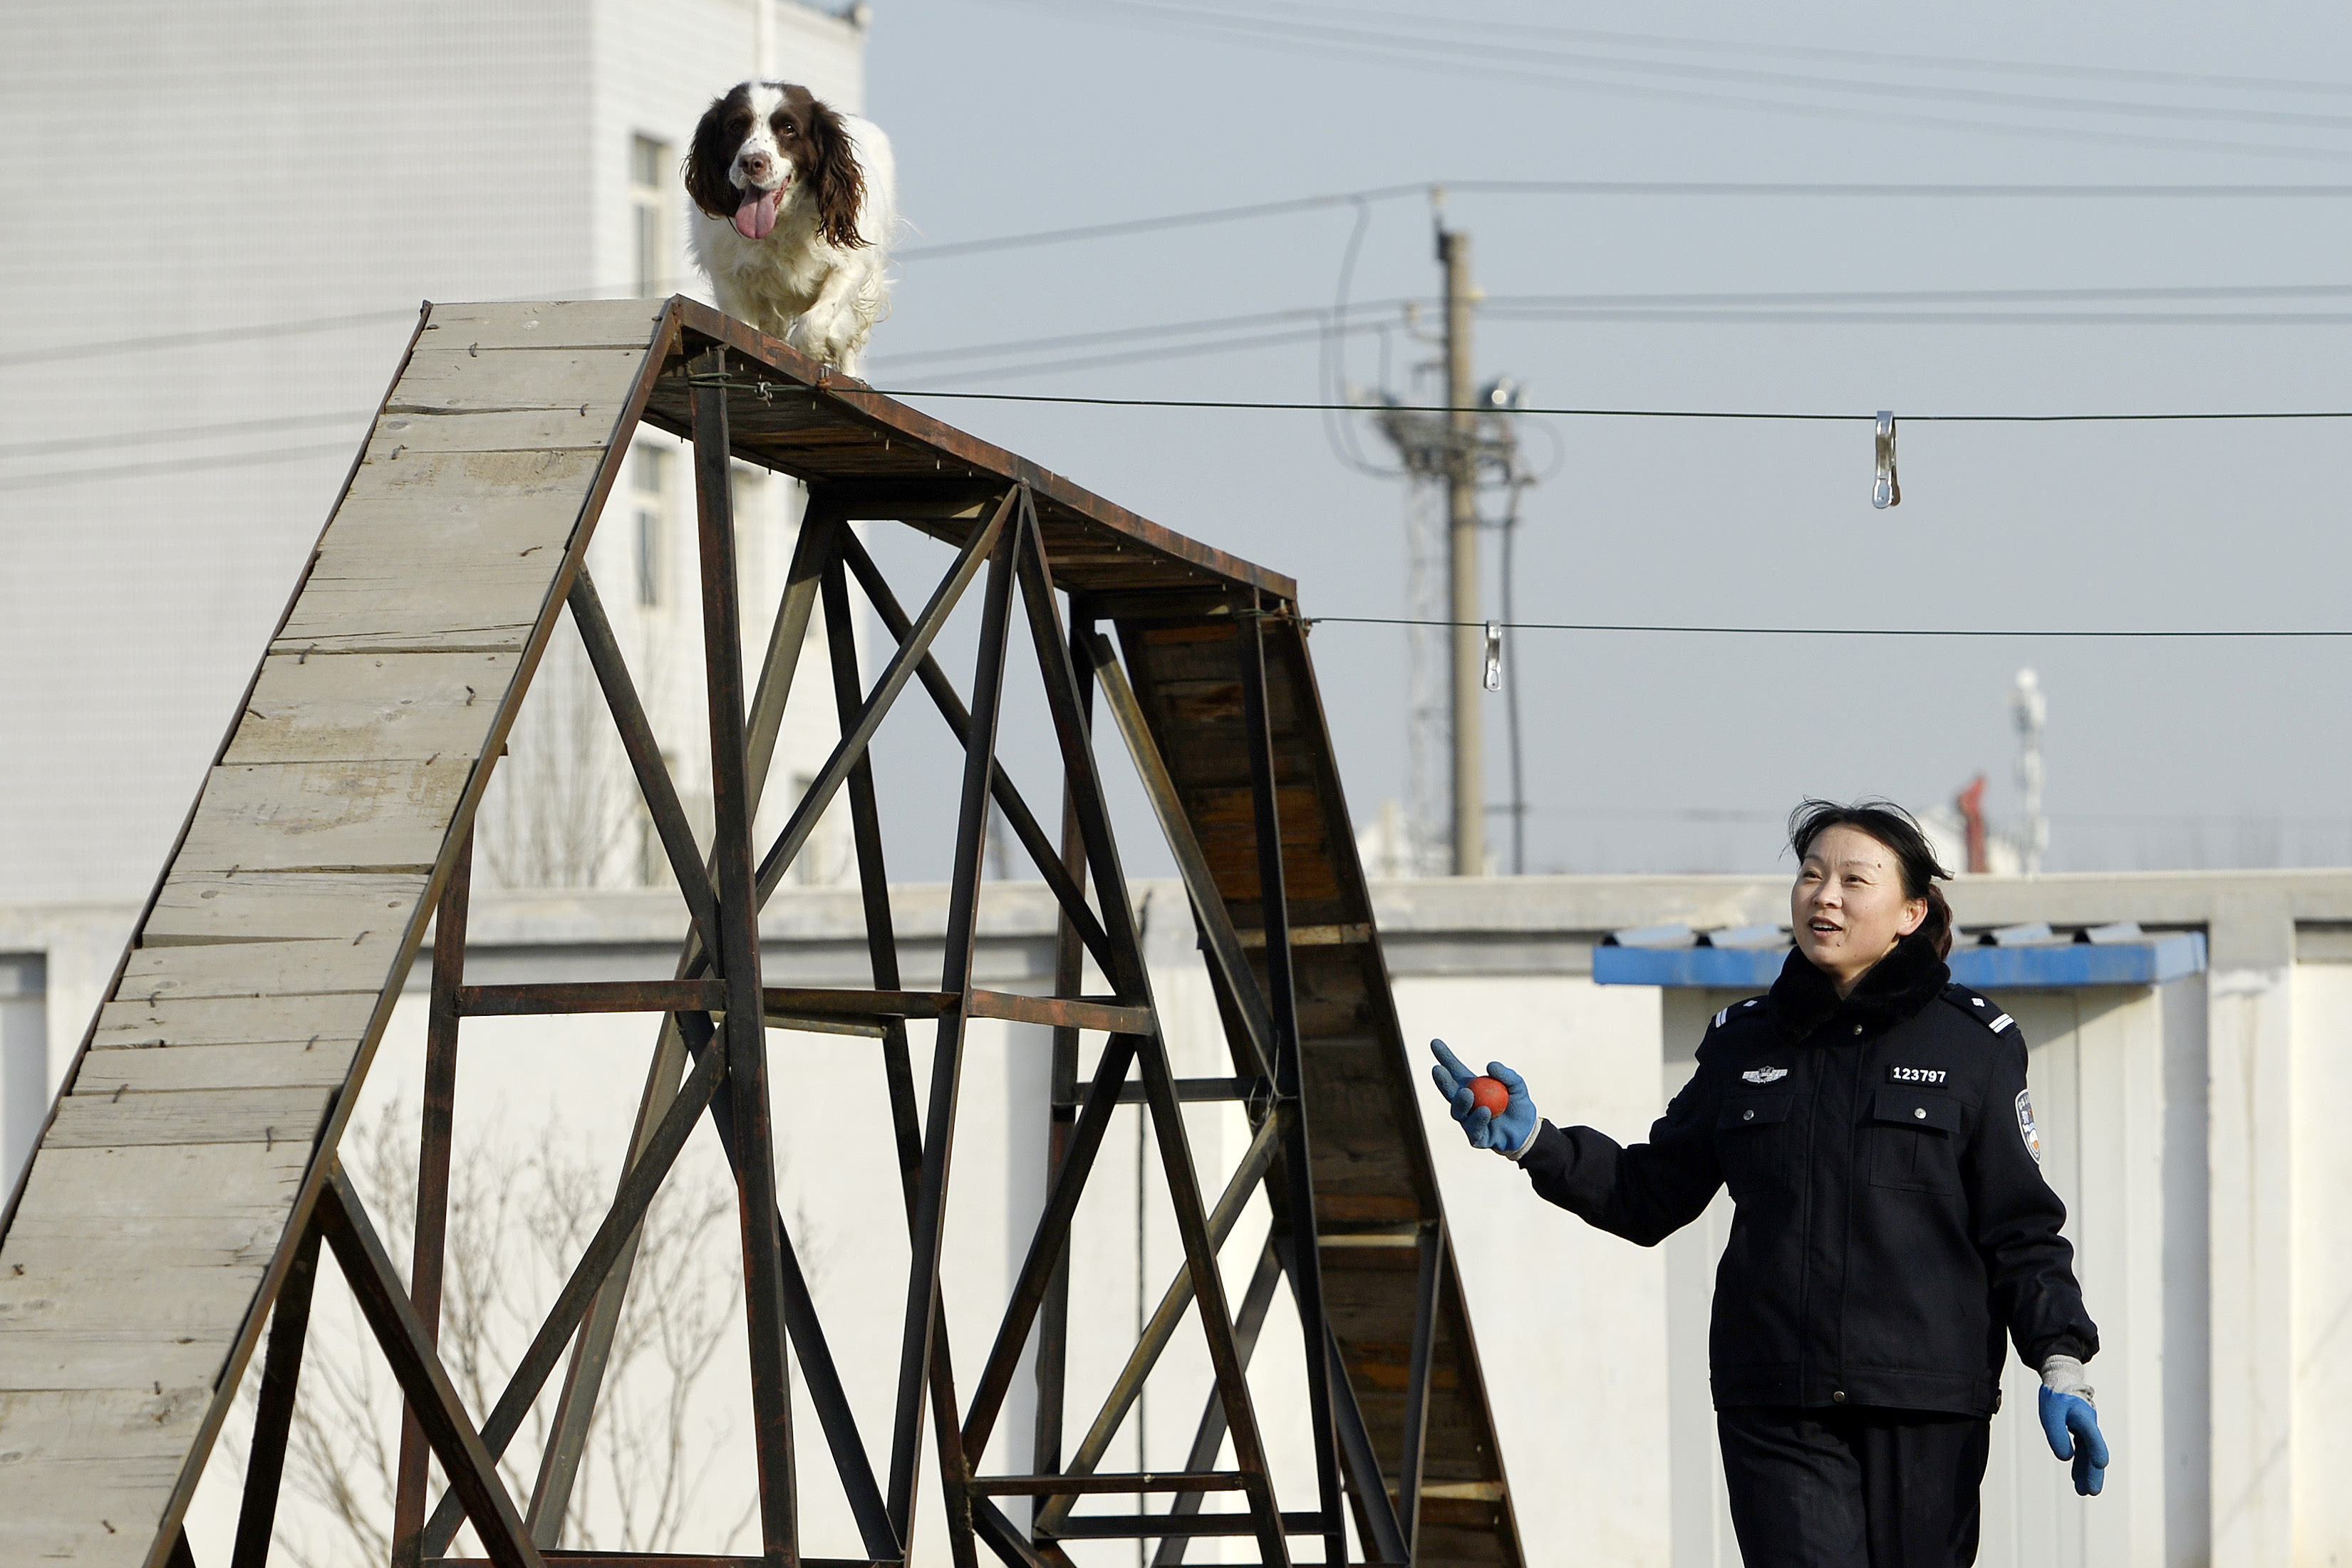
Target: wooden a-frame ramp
188	1178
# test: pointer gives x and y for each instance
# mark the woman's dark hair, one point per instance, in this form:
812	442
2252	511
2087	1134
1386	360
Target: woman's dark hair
1900	831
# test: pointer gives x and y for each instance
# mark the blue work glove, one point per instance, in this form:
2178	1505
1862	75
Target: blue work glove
1509	1135
2071	1422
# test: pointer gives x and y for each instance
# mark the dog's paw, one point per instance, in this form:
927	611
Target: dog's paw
808	337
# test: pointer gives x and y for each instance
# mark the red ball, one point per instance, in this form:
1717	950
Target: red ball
1491	1093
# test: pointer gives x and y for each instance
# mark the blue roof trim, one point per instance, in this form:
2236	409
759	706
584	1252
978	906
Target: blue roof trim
1731	968
2057	966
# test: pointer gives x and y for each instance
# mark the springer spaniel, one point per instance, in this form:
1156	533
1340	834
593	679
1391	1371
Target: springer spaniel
797	201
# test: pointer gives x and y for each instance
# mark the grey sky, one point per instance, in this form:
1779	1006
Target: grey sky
1016	115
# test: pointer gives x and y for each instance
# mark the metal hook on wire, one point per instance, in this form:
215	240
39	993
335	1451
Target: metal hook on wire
1885	490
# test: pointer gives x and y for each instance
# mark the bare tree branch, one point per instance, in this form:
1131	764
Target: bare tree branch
519	1214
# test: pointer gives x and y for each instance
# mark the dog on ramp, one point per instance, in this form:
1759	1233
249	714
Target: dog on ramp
795	203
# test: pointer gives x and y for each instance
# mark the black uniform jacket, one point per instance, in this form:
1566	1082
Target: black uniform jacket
1891	1217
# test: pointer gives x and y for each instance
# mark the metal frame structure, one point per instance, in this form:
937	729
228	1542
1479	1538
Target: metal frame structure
1242	848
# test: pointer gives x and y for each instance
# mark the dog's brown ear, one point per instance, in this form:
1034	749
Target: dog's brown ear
839	179
707	159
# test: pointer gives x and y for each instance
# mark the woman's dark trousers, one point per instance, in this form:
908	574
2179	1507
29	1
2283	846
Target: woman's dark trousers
1853	1487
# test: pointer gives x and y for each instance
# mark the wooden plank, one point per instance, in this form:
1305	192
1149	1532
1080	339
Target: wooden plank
261	968
82	1324
196	1205
276	1064
586	424
1352	935
115	1121
196	906
396	557
556	324
289	816
84	1473
460	379
468	492
443	609
359	708
234	1021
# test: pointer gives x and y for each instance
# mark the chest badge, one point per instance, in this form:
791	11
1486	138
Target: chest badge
2025	1128
1765	1074
1899	1074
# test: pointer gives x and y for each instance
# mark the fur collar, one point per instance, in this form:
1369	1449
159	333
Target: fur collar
1803	998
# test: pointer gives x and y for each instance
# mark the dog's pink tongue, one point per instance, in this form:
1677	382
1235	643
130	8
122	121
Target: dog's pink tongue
756	218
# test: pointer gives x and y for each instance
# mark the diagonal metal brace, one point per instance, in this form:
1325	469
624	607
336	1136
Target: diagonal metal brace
473	1471
628	1211
912	650
644	757
1164	1322
1017	815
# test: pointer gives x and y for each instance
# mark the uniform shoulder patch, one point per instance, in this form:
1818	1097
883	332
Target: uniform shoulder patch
1734	1011
1976	1007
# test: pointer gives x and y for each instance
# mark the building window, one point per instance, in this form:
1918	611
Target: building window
24	1058
650	480
650	199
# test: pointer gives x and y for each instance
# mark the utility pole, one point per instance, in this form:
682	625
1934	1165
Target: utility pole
1461	532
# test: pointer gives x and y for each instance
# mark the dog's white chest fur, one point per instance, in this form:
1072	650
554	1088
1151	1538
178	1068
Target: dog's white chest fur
776	279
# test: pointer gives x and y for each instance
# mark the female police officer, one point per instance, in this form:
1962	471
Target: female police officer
1891	1221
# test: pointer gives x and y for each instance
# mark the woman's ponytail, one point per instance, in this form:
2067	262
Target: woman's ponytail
1937	927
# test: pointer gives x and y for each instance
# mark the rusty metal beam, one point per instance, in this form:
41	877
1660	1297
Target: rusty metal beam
437	1125
1226	947
1051	1363
473	1472
273	1415
912	650
654	782
575	1408
1106	1014
738	953
1257	1298
1132	980
1108	1481
1067	891
1165	1319
1299	1184
1431	1273
848	402
596	1260
924	1335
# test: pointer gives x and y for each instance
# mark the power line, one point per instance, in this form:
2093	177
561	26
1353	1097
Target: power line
1172	352
1657	41
1943	318
155	340
1938	296
118	439
1315	313
172	465
1865	191
1149	225
2103	633
1535	306
1778	189
1329	43
1246	405
1750	75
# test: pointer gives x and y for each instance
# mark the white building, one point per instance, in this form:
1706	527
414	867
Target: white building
207	285
2186	1116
